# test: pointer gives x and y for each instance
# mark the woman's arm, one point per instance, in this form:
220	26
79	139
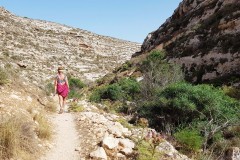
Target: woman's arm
55	86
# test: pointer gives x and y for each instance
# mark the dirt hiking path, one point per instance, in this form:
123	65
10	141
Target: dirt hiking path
65	138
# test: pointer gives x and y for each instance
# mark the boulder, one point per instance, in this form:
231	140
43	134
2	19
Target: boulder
110	142
99	154
126	143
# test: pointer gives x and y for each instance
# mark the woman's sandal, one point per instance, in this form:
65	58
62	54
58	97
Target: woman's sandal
61	111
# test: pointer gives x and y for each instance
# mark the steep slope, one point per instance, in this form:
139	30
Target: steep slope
203	36
39	47
24	128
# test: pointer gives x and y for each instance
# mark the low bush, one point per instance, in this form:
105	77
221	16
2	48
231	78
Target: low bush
125	89
112	92
74	107
96	94
76	83
130	88
190	139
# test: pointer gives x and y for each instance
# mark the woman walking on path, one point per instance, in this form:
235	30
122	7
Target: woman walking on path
61	88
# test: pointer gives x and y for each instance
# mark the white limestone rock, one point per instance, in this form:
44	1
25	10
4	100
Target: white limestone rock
110	142
99	153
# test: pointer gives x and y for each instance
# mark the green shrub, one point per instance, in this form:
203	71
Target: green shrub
205	108
126	88
155	56
190	139
75	85
203	102
113	92
130	87
96	95
3	76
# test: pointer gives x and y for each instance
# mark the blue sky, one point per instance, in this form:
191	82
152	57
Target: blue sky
125	19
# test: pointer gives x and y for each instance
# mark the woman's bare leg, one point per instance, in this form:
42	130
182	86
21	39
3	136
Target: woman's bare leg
64	102
60	102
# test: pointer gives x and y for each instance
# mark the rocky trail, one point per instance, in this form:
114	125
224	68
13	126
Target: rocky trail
77	136
94	134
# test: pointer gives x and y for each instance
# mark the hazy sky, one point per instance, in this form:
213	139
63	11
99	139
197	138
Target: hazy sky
125	19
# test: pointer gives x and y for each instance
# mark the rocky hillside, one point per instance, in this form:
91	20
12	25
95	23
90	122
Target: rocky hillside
204	37
39	47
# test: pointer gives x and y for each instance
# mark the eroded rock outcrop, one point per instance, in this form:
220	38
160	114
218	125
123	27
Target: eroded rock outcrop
203	36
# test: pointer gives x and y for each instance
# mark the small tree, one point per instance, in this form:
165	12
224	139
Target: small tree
158	73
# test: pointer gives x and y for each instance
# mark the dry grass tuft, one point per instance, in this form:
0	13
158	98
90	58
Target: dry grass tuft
17	139
51	106
44	130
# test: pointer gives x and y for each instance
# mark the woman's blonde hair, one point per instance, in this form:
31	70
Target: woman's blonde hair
60	68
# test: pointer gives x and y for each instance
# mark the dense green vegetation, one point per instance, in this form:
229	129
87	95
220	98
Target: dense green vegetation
200	117
125	89
182	107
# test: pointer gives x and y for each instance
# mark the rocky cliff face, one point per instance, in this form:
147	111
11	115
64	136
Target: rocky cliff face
204	37
39	47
